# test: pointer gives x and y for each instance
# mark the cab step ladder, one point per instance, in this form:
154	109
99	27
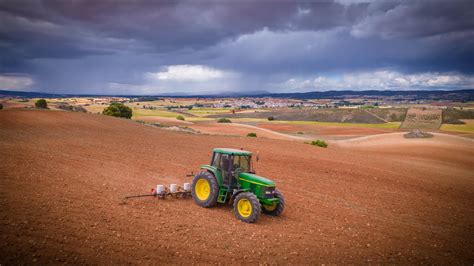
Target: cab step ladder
222	195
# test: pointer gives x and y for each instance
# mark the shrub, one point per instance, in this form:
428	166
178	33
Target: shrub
41	103
319	143
1	106
271	118
180	117
72	108
224	120
252	135
301	133
118	110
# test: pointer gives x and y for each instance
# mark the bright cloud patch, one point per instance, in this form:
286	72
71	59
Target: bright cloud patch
384	80
13	82
188	73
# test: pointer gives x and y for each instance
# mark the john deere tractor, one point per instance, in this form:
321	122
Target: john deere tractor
231	178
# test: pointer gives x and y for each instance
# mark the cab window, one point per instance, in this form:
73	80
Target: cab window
242	162
217	159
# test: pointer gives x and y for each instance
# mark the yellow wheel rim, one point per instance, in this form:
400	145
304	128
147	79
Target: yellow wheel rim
244	207
202	189
270	207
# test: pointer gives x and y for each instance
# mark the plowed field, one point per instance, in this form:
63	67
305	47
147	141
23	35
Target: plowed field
63	177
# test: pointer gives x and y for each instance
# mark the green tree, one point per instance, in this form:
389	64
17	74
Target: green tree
118	110
41	103
180	117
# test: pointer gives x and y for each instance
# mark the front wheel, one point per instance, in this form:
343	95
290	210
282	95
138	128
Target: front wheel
276	208
247	207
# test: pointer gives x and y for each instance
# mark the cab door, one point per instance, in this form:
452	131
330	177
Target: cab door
226	167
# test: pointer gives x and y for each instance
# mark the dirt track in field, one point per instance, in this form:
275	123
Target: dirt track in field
236	129
63	176
164	120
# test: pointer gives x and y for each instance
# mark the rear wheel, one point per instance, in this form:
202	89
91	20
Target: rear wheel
277	208
247	208
205	189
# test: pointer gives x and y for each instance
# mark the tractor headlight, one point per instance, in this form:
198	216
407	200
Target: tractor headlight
269	192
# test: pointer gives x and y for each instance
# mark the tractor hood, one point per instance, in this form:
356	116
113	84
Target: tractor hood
255	179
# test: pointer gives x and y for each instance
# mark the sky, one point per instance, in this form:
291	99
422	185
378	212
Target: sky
212	47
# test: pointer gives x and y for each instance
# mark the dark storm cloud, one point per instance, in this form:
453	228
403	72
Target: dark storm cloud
264	41
163	26
412	19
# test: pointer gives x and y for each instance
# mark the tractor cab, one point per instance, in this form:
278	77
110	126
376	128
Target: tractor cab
230	163
230	178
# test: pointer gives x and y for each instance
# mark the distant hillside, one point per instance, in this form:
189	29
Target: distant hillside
456	95
28	94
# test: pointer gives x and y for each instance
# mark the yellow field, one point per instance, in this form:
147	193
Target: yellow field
466	128
137	112
199	119
390	125
208	111
97	108
29	102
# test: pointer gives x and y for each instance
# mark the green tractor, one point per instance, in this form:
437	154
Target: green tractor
231	178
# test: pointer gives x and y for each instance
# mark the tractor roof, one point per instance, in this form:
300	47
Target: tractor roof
232	151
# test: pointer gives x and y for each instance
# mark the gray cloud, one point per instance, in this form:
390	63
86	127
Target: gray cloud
84	46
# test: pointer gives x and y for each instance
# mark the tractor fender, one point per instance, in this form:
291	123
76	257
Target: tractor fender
237	192
214	171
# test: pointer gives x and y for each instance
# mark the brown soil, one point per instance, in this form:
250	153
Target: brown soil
8	104
235	129
63	176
